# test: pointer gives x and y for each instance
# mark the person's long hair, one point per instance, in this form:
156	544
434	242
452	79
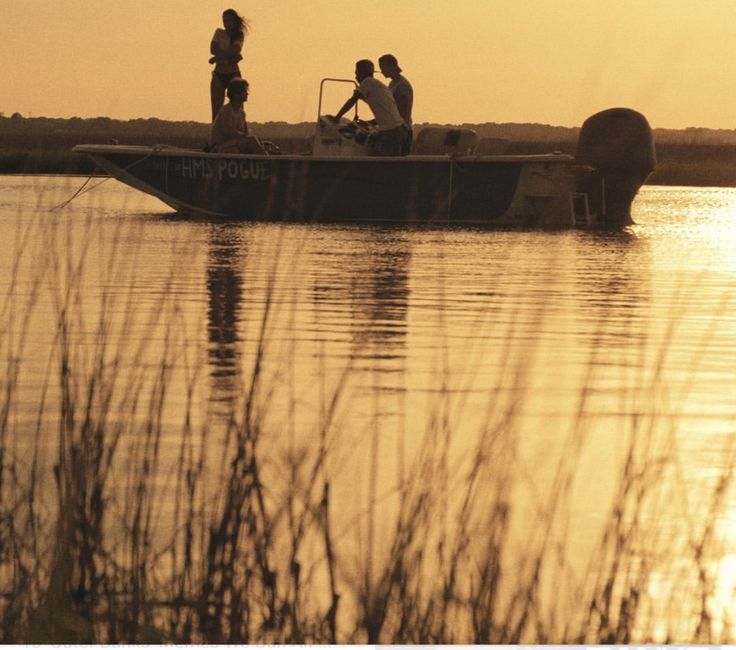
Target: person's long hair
241	24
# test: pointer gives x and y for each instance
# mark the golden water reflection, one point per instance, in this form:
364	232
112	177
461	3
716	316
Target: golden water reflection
513	436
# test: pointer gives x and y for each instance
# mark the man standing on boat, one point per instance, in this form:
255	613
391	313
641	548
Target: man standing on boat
403	94
391	128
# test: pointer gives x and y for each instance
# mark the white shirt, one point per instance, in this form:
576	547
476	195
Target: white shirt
381	102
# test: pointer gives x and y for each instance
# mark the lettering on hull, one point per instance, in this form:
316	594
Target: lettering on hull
208	168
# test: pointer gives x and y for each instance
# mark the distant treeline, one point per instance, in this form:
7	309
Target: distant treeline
692	156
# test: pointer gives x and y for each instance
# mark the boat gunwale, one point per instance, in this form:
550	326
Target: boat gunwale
166	150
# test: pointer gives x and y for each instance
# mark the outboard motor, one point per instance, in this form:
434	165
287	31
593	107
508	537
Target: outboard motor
618	145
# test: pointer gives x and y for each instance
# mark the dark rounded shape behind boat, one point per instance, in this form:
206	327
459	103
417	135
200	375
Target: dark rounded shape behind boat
619	145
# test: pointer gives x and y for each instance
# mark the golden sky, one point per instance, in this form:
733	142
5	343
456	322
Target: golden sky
546	61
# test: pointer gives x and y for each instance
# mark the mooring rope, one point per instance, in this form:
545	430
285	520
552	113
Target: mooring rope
81	190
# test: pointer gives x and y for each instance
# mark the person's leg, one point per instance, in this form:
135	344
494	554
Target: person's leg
383	144
226	147
217	95
250	144
395	141
373	144
406	147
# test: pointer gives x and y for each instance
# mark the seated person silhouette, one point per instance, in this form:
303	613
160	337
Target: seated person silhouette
229	130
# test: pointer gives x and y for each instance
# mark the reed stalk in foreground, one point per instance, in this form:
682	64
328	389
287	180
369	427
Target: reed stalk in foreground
106	538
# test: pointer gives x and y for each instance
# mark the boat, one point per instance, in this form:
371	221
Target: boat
450	179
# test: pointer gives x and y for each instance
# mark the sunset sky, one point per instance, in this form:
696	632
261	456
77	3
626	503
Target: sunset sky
546	61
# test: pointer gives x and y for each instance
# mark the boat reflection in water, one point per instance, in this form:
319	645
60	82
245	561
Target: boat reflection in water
225	291
410	407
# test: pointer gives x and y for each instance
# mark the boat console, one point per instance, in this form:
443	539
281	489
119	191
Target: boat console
342	138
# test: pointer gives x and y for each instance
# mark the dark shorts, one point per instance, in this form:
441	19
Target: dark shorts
225	77
388	143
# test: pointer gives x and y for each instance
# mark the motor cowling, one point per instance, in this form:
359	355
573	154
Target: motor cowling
618	144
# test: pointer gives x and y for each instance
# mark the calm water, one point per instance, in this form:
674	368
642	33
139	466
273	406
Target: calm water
398	357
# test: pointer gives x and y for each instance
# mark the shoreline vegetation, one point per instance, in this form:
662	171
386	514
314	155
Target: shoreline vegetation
115	528
41	145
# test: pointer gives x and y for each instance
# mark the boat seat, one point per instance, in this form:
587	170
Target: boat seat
491	147
442	140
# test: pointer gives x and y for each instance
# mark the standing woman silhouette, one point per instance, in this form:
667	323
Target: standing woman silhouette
225	48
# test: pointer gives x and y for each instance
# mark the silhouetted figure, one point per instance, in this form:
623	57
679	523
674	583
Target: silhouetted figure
403	94
391	129
230	130
226	47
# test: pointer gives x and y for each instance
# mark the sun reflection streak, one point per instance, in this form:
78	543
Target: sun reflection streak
704	218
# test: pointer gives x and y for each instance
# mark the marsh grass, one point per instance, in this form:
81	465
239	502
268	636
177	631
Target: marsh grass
106	538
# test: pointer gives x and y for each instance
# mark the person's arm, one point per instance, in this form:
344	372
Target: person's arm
230	125
348	105
222	53
403	103
216	49
234	51
248	143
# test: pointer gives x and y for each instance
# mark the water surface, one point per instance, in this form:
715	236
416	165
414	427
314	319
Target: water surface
575	382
